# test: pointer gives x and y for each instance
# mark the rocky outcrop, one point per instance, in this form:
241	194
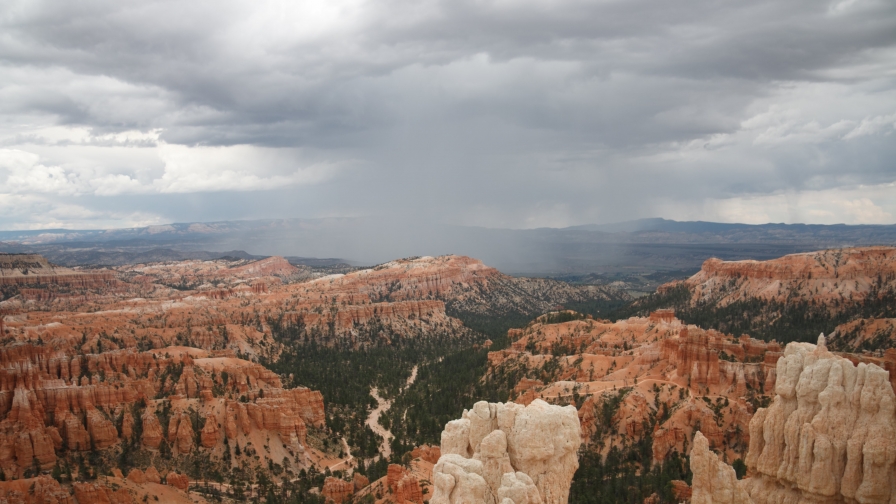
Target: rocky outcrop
152	430
827	277
714	480
137	476
504	451
102	431
681	491
93	493
403	485
209	434
360	481
648	371
696	355
337	491
428	453
34	269
39	490
152	475
828	436
179	481
127	426
271	266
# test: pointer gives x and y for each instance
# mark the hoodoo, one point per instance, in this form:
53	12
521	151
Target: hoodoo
508	454
828	436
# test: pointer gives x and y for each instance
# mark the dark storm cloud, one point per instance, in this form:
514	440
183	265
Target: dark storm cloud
493	113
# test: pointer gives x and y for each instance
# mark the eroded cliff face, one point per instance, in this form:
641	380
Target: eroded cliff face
215	304
33	278
55	402
654	376
158	358
828	436
411	482
714	481
835	278
508	454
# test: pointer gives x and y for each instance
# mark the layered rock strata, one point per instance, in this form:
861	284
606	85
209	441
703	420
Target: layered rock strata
827	277
337	491
53	401
508	454
652	370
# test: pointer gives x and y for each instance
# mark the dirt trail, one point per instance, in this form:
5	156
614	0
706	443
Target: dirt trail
383	405
346	462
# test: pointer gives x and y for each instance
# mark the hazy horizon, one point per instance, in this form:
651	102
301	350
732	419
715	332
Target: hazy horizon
504	115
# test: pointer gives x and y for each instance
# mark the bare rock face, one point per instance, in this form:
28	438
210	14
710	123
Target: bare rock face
826	276
459	479
428	453
90	493
681	491
179	481
127	426
42	489
209	434
337	491
152	475
714	480
828	436
360	481
508	454
403	485
102	432
183	435
152	430
137	476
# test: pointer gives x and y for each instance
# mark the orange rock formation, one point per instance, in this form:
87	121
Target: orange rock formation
682	376
337	491
828	277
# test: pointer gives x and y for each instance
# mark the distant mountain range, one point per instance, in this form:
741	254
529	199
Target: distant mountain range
635	247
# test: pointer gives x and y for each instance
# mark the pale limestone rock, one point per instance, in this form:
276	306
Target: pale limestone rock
518	488
494	457
828	436
458	480
714	481
514	450
456	438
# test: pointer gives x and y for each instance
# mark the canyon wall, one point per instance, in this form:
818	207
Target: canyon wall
653	370
834	278
54	401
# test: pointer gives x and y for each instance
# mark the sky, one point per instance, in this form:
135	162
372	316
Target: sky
505	114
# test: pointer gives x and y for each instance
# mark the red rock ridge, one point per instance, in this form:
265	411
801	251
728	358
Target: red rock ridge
826	277
52	401
663	367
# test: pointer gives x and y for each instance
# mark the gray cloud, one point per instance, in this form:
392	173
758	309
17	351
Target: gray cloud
517	114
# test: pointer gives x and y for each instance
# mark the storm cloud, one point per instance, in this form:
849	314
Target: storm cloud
492	113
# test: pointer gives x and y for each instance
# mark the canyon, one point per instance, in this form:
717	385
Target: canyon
160	369
660	370
189	379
